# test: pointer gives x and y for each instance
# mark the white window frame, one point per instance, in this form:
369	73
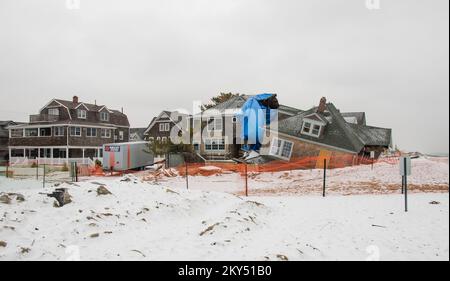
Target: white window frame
75	130
91	136
81	113
11	135
29	129
164	139
278	149
53	111
121	135
104	116
164	127
218	143
215	124
311	128
56	131
105	133
51	132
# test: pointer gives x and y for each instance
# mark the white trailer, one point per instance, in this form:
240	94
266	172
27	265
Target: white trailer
126	156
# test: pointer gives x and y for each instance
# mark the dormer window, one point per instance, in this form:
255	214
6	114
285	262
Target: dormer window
104	116
81	113
311	129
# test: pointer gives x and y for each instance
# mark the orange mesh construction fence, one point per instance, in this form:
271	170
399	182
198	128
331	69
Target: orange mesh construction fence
333	161
312	162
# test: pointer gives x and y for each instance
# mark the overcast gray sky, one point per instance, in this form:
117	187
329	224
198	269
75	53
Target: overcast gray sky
148	56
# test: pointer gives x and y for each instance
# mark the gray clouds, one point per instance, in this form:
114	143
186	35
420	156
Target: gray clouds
154	55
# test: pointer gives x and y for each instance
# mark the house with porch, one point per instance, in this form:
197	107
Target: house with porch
4	138
67	130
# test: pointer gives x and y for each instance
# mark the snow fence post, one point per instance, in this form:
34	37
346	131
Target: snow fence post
246	179
76	171
37	169
43	178
187	175
406	185
403	184
324	175
7	169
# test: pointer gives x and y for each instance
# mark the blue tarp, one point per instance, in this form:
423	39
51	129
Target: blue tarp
254	116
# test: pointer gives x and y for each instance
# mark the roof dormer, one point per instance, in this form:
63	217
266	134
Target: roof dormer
313	125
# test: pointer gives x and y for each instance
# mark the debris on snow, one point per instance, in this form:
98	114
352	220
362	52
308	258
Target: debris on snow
4	198
62	197
102	190
282	257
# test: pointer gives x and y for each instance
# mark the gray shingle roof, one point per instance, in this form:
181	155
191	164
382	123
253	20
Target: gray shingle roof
359	116
138	131
337	133
237	102
373	135
233	103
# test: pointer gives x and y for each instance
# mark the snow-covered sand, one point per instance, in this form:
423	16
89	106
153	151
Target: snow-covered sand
429	174
144	221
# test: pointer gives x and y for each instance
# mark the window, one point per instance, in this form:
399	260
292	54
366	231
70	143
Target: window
31	132
53	111
121	135
59	131
306	127
91	132
81	113
281	148
151	139
106	133
287	149
214	144
164	139
311	129
164	127
104	116
316	130
75	131
17	133
275	147
215	124
196	146
45	132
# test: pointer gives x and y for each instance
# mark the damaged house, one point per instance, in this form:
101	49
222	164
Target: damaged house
217	130
323	132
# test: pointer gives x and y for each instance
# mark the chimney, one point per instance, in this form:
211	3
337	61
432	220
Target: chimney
322	105
75	99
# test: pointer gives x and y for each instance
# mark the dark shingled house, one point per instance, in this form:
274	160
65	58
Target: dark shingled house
4	139
325	132
67	130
